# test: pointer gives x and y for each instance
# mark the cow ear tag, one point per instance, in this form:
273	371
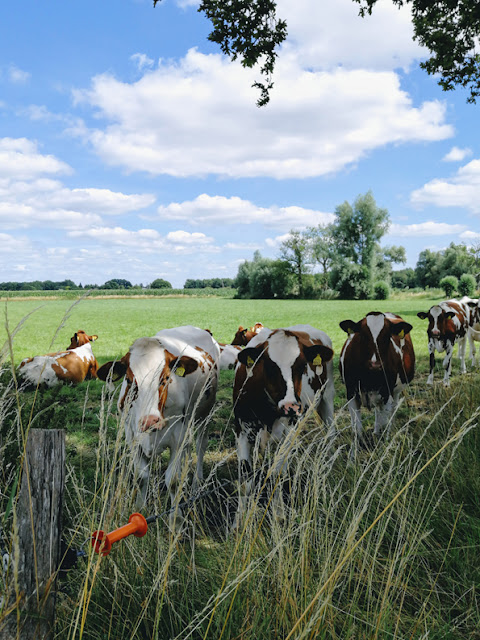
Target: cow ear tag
317	361
401	335
180	371
250	362
349	331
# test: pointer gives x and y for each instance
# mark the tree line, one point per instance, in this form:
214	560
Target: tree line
344	259
67	285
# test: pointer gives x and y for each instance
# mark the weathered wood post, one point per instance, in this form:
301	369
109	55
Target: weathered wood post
36	545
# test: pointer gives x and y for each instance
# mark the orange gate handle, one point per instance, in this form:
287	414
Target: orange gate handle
102	542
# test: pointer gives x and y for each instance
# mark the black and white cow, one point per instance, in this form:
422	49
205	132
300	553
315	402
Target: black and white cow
376	362
448	323
169	388
280	374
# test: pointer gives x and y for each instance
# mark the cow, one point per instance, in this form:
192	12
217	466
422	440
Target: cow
243	336
228	356
376	362
168	390
448	323
474	324
279	375
73	365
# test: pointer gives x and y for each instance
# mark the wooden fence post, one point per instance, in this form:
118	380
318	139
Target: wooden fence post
36	545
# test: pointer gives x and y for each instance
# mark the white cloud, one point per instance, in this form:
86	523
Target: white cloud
317	123
142	61
382	41
470	236
425	229
274	243
17	76
214	210
19	158
148	240
462	190
456	154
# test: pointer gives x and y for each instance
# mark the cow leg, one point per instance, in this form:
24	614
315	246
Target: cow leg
462	347
354	407
382	417
245	477
142	474
431	350
201	446
173	480
473	350
447	363
325	409
282	435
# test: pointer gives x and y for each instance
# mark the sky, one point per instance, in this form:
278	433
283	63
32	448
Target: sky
131	148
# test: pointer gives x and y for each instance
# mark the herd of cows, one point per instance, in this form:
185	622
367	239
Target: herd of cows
169	383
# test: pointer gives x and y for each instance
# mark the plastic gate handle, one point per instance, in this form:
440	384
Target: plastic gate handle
137	525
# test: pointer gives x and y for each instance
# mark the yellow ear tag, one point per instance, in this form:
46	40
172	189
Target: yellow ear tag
349	332
317	361
250	362
180	371
401	335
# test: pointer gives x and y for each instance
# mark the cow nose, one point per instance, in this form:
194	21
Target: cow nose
435	332
291	409
151	422
375	365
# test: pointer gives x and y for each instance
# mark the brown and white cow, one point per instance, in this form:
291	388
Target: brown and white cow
376	362
280	374
73	365
228	356
243	336
448	323
168	390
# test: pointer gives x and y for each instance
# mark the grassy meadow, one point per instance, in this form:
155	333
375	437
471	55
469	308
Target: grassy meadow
386	546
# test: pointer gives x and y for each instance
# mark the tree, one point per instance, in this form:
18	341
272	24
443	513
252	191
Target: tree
322	249
449	29
159	283
264	278
427	269
117	283
248	30
449	284
356	233
295	251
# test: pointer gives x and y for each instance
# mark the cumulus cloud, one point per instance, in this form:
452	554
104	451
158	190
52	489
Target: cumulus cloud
17	76
274	243
148	240
20	158
315	40
142	61
425	229
214	210
317	123
30	197
456	154
461	190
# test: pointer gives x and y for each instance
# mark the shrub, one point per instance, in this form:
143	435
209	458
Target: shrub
449	284
160	283
381	290
467	285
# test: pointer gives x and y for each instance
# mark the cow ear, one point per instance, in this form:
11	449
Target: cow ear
183	366
249	355
472	304
318	354
450	314
401	329
118	369
92	338
349	326
423	315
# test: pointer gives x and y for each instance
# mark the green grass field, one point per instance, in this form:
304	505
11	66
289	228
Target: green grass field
386	547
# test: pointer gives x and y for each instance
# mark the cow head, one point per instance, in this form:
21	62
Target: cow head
152	378
278	366
373	335
440	321
80	338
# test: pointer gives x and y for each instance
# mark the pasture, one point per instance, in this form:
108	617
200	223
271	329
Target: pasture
386	547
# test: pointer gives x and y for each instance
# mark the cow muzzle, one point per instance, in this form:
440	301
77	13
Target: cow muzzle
435	333
151	422
374	365
292	410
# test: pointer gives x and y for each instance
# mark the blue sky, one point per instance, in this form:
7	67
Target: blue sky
130	148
